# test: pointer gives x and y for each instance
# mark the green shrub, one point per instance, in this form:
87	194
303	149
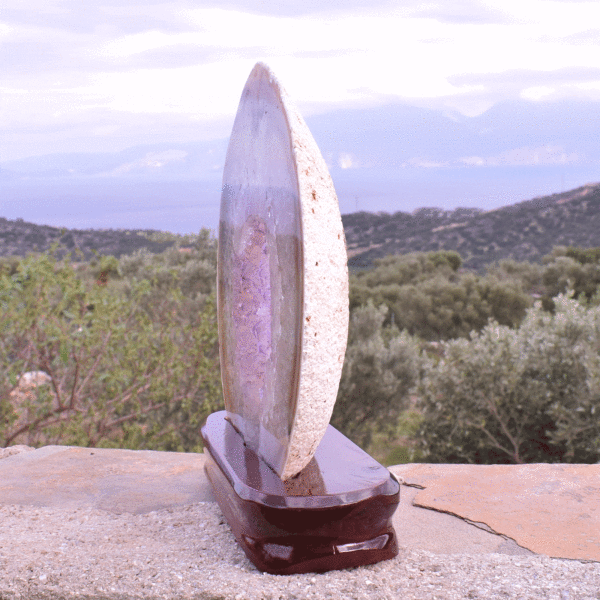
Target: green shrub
380	369
576	269
530	394
428	297
133	370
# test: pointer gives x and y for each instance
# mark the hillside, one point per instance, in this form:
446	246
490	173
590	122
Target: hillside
19	237
524	231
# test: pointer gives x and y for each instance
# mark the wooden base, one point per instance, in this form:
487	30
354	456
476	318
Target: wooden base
335	514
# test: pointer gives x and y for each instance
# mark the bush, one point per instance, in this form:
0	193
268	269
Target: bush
131	370
574	269
428	297
522	395
380	369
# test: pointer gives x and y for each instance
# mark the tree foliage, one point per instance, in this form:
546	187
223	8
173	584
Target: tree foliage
380	369
530	394
575	269
133	361
130	350
428	296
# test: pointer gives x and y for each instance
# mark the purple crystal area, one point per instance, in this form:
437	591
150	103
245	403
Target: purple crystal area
251	303
259	276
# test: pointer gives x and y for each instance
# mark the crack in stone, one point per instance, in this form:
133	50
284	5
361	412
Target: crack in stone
403	481
479	524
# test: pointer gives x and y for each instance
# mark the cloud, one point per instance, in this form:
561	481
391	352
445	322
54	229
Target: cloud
97	17
463	12
293	8
525	156
537	92
459	11
519	78
530	84
59	54
66	62
588	37
104	130
36	52
174	56
125	17
152	160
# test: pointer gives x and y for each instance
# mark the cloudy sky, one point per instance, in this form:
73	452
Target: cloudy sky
107	75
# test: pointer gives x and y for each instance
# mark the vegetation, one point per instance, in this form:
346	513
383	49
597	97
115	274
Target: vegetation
503	367
444	364
381	367
525	231
530	394
130	347
428	296
18	237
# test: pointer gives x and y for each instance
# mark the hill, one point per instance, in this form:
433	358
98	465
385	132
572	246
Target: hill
525	231
390	157
18	238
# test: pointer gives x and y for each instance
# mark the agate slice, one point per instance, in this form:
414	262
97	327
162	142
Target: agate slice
282	281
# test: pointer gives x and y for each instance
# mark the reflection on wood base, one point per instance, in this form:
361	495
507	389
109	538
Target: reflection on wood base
335	514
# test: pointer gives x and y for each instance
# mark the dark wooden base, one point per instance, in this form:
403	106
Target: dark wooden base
335	514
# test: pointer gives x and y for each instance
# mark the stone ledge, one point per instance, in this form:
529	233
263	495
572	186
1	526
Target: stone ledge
121	524
551	509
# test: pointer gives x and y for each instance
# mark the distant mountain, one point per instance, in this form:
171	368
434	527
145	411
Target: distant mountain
166	161
525	231
391	157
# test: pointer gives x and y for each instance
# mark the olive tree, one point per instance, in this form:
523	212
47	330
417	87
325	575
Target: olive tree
380	369
428	296
530	394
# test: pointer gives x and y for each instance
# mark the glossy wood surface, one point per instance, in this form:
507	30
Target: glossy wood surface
335	514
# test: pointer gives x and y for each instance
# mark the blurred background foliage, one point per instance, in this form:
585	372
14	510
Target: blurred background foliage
443	364
129	346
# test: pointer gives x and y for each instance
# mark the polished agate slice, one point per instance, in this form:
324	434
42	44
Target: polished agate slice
282	281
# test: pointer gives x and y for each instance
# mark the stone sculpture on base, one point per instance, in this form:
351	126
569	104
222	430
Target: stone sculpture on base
297	494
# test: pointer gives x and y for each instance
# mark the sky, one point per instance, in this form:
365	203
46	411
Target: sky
106	75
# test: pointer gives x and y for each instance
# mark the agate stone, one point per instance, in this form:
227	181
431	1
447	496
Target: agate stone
297	494
282	281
